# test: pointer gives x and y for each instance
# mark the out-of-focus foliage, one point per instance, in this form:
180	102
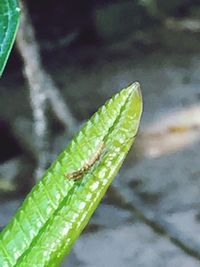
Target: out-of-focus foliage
9	20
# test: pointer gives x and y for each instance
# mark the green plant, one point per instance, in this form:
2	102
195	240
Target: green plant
58	208
9	21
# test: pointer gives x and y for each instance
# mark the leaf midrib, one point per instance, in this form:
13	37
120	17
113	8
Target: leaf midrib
74	188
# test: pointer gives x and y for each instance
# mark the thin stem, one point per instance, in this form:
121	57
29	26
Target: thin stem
41	88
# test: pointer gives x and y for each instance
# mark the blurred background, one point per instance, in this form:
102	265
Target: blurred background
71	56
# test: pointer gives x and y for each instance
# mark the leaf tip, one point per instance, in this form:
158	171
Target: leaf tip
135	87
136	91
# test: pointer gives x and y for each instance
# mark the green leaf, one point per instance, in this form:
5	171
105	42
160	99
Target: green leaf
9	20
58	208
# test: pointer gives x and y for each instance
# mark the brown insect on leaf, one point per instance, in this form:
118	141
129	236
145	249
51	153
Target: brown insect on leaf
77	174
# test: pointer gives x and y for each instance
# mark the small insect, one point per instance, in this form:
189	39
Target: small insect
77	174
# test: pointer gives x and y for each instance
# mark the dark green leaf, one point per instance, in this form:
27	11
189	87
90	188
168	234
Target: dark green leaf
9	20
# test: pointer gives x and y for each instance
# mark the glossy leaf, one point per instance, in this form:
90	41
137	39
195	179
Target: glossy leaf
58	208
9	20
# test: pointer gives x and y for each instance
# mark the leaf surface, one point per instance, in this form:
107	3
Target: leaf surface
58	208
9	20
